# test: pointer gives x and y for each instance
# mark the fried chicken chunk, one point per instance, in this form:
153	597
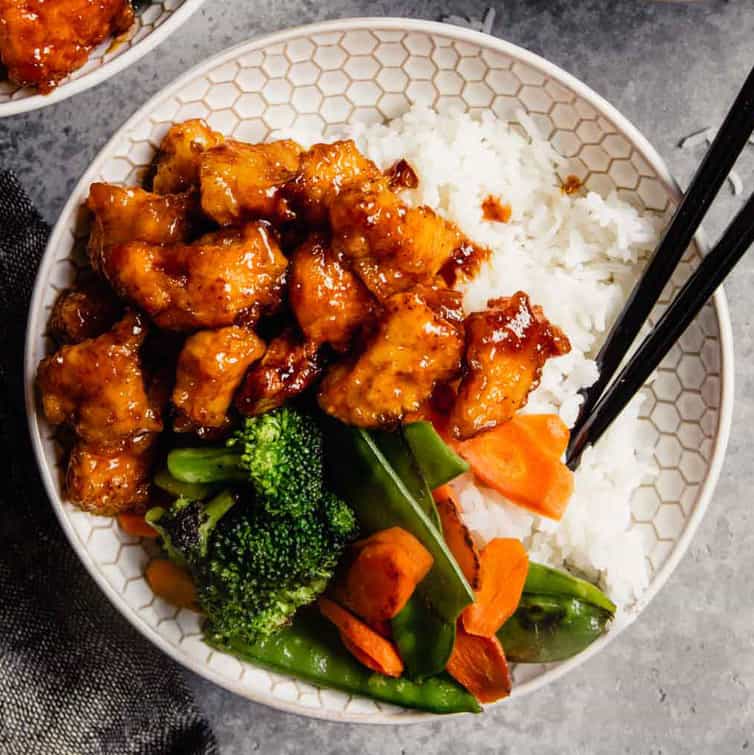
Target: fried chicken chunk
413	350
131	214
392	247
177	163
42	41
290	365
210	368
241	182
85	311
326	169
107	483
329	301
506	348
97	387
236	273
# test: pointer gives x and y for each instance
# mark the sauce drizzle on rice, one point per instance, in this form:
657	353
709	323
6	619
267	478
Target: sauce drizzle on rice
571	185
496	211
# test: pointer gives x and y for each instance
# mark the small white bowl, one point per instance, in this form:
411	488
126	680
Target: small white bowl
337	72
154	23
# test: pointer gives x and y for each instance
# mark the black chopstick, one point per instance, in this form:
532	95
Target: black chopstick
738	237
710	176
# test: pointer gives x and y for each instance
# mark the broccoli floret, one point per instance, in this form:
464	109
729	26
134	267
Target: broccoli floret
185	527
278	547
263	567
252	569
280	453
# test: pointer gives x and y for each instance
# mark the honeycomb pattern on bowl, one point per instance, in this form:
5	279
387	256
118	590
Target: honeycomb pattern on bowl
148	19
327	80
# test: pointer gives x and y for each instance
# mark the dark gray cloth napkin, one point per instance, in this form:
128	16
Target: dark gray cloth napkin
75	677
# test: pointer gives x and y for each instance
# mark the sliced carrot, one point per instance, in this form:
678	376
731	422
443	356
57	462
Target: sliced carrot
382	575
457	534
363	643
504	565
519	460
172	583
400	537
478	664
548	429
134	524
383	628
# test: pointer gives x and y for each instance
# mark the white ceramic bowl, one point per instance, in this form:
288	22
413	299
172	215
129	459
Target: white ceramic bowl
343	71
154	23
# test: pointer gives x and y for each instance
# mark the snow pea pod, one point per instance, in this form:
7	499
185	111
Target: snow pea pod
402	459
547	628
544	580
425	641
380	499
311	649
438	462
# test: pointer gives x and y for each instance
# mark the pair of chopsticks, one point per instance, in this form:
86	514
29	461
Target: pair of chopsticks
605	400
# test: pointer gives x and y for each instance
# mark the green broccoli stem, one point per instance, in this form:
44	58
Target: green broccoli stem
207	465
214	511
193	491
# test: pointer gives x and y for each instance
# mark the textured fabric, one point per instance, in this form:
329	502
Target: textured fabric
75	677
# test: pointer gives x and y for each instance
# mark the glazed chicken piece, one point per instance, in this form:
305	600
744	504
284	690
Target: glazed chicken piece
290	365
236	273
109	482
85	311
506	348
413	350
97	386
131	214
392	247
210	368
177	163
329	301
445	302
326	169
42	41
241	182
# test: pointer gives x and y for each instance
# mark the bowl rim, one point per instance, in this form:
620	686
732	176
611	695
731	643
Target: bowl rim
110	68
456	33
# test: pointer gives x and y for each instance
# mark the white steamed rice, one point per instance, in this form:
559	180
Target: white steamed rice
576	256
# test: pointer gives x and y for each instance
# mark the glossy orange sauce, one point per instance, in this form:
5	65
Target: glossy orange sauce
495	210
466	262
571	185
402	176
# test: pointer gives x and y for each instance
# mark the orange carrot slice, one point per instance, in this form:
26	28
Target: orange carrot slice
134	524
547	429
363	643
457	535
519	459
504	565
478	664
384	572
172	583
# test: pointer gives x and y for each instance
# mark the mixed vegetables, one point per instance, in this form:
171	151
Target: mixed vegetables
339	555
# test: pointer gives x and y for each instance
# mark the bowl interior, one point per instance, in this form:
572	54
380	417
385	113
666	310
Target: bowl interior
367	70
107	58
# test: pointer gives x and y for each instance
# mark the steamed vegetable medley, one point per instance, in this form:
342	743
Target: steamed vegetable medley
268	369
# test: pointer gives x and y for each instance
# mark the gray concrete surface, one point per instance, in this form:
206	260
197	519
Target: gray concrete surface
681	679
